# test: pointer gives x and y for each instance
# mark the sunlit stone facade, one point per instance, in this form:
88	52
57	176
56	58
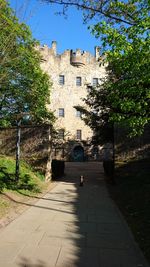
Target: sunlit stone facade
70	73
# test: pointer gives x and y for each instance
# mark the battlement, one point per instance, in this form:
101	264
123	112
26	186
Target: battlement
76	58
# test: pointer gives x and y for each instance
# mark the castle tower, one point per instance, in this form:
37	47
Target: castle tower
70	73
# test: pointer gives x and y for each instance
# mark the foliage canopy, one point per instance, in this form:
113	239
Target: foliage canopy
127	49
23	85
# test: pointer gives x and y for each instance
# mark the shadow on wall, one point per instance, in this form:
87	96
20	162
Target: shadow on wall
131	148
8	141
34	145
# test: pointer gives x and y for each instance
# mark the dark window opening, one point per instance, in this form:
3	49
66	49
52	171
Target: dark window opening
78	81
61	79
79	133
95	81
61	112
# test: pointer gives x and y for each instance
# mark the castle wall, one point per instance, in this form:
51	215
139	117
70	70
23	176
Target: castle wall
70	64
35	146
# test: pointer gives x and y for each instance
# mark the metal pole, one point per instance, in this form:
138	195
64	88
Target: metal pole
18	149
113	143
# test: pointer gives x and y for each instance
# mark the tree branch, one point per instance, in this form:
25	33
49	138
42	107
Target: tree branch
90	8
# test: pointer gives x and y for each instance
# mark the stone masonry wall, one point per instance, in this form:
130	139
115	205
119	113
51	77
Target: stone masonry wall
34	145
70	64
131	148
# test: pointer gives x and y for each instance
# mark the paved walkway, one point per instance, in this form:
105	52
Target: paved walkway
71	226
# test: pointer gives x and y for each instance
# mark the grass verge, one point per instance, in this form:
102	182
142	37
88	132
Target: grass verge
16	196
132	195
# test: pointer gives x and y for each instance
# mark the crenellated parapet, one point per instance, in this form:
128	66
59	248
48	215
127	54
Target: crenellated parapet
76	58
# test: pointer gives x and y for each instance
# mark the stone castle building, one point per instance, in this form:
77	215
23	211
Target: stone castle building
71	73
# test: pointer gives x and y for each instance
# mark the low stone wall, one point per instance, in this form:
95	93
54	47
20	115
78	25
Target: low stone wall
131	148
34	145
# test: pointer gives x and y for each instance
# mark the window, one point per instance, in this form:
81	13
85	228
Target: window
61	79
78	81
61	134
78	113
95	81
61	112
79	134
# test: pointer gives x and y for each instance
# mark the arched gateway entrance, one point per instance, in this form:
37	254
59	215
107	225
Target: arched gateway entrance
78	153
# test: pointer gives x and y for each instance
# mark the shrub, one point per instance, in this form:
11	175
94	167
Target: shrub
26	182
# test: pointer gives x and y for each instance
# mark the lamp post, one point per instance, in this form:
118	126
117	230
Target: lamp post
18	149
18	119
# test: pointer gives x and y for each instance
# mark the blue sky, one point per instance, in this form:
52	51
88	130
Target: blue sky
69	33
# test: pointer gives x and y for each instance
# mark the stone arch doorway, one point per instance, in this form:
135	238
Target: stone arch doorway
78	153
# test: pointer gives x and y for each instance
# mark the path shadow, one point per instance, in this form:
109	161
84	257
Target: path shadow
24	262
93	233
80	203
35	205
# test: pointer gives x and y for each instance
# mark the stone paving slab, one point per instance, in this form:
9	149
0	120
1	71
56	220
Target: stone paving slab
71	226
47	254
119	258
69	257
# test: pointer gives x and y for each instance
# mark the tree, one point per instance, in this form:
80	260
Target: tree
23	85
127	12
123	28
96	112
127	51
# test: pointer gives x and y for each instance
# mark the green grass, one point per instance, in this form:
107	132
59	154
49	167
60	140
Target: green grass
13	193
28	179
132	195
